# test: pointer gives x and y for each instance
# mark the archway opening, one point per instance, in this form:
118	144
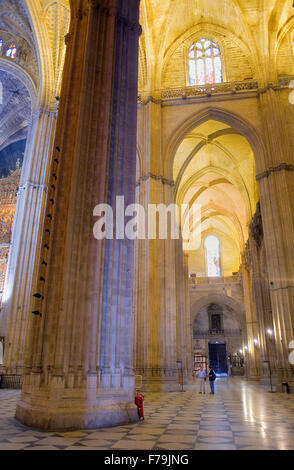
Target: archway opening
214	169
218	358
217	319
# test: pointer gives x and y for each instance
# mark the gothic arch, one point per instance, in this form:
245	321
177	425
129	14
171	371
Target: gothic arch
48	51
219	211
283	58
203	142
242	127
216	33
284	31
18	72
220	299
226	176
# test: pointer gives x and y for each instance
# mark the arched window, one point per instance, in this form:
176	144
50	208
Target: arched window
205	63
11	51
212	247
1	44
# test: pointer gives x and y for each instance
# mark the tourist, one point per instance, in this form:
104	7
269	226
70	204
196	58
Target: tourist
212	377
201	374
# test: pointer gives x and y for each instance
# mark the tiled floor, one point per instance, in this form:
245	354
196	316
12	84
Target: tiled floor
242	415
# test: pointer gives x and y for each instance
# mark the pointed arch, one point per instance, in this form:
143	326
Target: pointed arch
220	299
242	126
17	71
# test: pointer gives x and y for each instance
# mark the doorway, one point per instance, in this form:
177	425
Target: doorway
218	357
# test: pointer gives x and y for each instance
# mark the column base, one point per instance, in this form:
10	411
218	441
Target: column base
254	377
161	385
163	380
280	388
78	418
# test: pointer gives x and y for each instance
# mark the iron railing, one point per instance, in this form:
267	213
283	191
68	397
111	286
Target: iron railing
10	381
209	333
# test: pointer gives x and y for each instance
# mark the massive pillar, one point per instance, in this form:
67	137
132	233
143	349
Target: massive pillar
78	364
276	188
156	300
163	323
27	230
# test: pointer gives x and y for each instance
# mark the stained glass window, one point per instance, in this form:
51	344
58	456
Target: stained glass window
205	63
212	246
11	51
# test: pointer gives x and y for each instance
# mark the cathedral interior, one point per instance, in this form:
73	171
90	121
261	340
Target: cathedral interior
183	103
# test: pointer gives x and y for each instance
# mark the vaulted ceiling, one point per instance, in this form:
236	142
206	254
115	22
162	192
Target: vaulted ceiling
214	168
37	28
16	26
15	110
14	18
16	101
257	23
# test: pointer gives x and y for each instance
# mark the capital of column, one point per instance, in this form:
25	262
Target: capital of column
111	9
267	87
156	178
31	185
276	169
50	112
68	37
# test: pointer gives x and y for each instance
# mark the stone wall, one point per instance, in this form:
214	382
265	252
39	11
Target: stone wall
236	59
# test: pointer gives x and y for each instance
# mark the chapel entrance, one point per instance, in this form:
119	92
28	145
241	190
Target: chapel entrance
218	357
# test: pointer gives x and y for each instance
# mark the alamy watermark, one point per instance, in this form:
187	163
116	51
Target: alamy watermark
158	221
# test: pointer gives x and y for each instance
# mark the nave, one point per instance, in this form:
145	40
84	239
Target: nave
241	416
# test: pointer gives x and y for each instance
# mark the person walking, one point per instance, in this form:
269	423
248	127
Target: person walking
201	374
212	377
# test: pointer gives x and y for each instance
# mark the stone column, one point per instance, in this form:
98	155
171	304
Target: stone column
187	323
79	370
276	197
262	305
251	324
157	308
161	310
27	230
184	323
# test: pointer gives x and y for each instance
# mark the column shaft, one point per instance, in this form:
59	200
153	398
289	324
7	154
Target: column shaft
25	247
79	353
276	189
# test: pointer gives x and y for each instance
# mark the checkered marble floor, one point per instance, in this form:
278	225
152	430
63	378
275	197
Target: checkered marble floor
242	415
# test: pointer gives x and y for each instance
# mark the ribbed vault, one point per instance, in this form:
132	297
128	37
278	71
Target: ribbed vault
214	168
